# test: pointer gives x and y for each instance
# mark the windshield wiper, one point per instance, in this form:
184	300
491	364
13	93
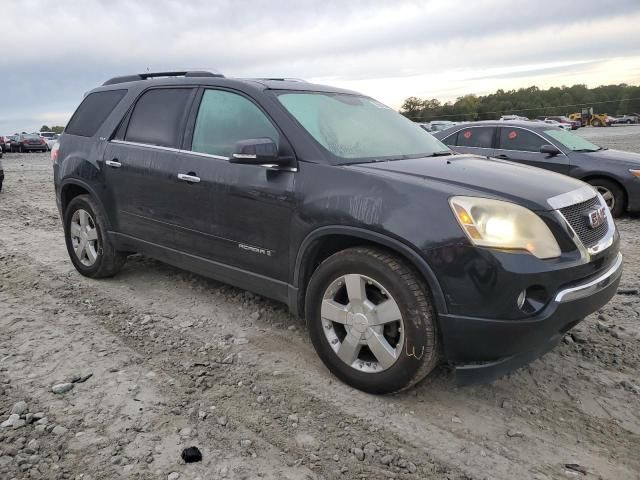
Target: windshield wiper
582	150
443	153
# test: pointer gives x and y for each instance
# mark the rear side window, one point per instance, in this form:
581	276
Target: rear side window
451	139
521	140
93	111
158	117
479	137
225	118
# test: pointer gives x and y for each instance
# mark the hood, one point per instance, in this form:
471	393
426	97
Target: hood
480	176
630	159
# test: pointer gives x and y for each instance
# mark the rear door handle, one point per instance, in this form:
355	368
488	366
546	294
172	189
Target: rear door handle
188	178
113	163
502	157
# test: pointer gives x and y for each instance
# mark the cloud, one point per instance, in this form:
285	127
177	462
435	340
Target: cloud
388	49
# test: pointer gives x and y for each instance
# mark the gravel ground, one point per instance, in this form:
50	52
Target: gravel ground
157	359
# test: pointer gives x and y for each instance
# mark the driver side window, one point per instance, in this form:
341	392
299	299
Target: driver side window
522	140
225	118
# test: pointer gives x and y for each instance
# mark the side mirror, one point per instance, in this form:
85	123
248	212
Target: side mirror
549	150
255	151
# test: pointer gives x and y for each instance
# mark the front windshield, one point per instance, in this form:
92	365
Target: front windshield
571	141
357	128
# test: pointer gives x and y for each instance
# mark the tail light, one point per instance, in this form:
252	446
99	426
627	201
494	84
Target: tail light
42	141
54	152
25	141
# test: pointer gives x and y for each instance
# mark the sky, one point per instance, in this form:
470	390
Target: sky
386	49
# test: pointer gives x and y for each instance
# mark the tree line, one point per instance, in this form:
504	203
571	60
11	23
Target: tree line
55	128
528	102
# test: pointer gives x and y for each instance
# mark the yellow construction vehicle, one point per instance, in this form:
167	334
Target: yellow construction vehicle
588	118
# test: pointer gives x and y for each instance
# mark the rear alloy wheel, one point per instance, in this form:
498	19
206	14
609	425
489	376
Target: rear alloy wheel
88	244
371	320
612	195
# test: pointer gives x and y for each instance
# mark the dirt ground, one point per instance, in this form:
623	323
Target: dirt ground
174	360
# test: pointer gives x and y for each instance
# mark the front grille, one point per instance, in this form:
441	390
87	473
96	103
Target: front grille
577	216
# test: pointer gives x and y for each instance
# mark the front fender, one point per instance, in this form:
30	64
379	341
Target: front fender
401	248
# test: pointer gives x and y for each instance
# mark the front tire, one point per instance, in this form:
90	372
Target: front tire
88	245
371	320
612	193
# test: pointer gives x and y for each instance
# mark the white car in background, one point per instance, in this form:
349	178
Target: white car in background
50	138
564	126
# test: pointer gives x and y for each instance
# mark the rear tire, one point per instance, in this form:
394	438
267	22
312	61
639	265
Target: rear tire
612	193
371	320
88	245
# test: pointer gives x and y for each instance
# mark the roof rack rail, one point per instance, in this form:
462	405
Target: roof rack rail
147	75
283	79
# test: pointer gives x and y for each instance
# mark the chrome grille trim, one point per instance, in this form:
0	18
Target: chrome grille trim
571	198
602	243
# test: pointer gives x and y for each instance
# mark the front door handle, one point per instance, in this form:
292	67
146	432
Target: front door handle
188	177
113	163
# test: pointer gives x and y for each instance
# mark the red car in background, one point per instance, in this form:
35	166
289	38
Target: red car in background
5	144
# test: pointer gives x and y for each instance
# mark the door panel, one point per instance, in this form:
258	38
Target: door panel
237	214
144	189
523	146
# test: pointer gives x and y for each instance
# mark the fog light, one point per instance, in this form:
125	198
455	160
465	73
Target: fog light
521	299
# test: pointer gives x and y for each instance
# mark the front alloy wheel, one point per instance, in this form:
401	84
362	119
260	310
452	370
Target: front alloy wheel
371	320
362	323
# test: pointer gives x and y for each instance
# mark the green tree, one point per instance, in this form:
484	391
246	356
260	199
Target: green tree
529	102
44	128
57	129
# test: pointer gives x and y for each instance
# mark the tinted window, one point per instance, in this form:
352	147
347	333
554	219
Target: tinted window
225	118
480	137
451	139
93	111
158	117
519	139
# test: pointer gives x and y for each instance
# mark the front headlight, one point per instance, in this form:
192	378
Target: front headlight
504	225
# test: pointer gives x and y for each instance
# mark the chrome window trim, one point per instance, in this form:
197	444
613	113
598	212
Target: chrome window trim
549	142
146	145
202	154
199	154
591	287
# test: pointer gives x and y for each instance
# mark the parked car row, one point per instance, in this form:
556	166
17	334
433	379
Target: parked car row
614	174
28	142
625	119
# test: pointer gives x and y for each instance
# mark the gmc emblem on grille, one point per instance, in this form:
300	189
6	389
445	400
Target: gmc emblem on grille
597	217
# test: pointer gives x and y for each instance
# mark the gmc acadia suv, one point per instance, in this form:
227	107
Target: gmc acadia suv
399	253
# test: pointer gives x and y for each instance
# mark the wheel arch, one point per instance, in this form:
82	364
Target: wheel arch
325	241
72	188
609	178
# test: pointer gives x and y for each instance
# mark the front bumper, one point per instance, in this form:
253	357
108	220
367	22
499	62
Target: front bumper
484	349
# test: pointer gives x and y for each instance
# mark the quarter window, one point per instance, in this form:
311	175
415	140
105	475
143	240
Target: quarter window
479	137
519	139
225	118
451	140
158	117
93	111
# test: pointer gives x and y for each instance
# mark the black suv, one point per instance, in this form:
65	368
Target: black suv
399	253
